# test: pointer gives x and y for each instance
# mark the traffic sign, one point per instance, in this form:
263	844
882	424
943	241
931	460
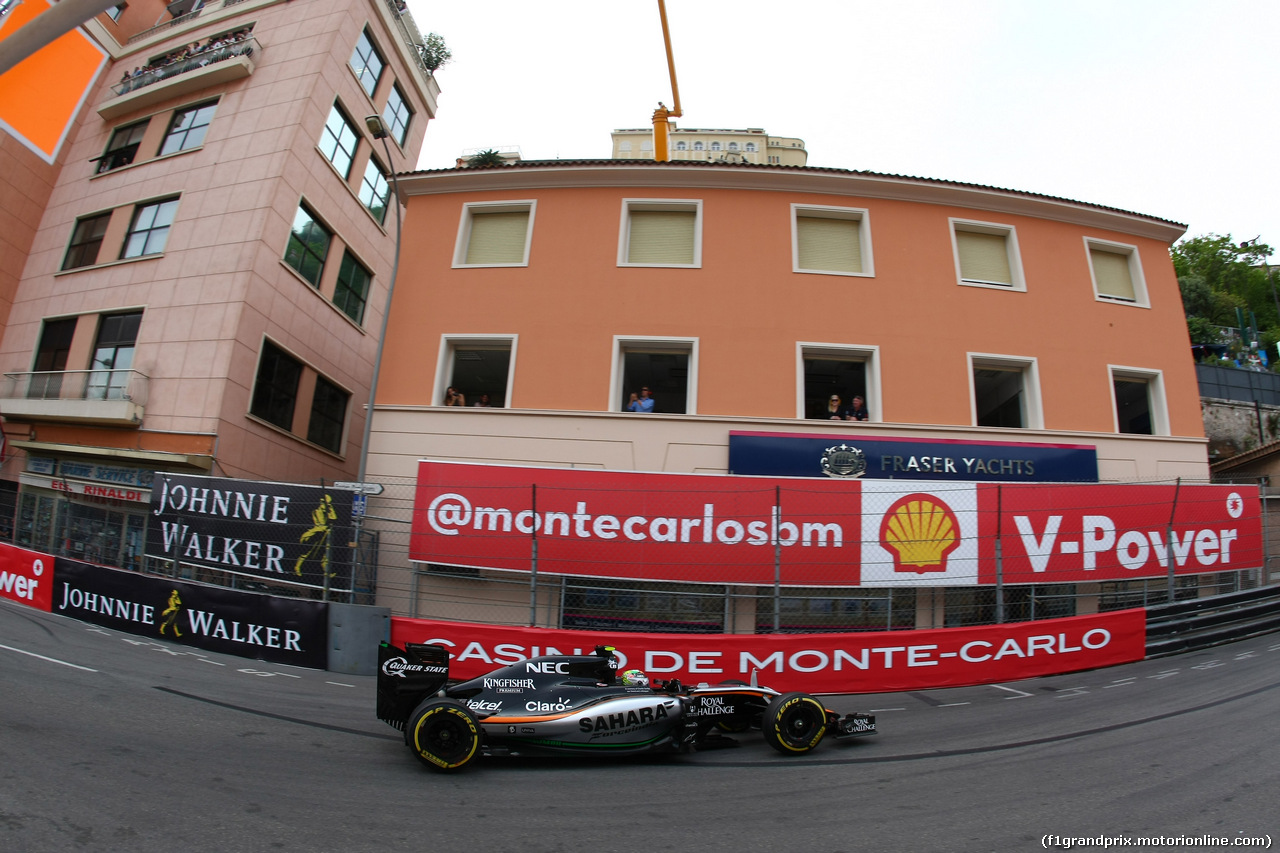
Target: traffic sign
362	488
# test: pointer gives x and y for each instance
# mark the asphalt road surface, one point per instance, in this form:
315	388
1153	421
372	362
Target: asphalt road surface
110	742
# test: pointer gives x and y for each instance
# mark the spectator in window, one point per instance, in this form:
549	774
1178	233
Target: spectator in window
857	410
482	403
641	403
834	411
453	397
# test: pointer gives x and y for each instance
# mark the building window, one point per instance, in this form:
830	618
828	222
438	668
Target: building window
188	128
698	146
375	191
122	148
86	240
478	367
682	146
116	11
328	415
113	356
495	234
397	115
668	367
1138	396
987	255
733	146
660	233
1117	272
352	289
844	371
367	63
275	390
308	246
1005	392
150	228
51	359
751	146
338	141
831	240
715	146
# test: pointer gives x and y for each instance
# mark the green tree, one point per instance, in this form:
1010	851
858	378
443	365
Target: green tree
1217	276
488	157
435	54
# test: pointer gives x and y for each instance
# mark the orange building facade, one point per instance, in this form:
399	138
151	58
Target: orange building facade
745	298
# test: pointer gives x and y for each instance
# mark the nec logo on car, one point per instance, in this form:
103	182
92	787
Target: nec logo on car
547	667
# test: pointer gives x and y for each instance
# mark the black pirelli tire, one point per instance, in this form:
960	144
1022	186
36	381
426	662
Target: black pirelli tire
443	734
794	723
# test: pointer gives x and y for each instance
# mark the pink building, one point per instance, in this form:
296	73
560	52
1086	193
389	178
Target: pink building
200	264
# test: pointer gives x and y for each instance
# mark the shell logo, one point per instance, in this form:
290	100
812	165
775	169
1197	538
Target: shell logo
920	531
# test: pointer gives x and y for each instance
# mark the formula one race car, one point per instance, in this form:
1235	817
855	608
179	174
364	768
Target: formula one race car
579	705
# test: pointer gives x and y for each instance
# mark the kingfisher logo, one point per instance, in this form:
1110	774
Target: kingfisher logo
920	531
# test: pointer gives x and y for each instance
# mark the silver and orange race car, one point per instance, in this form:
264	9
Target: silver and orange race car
581	705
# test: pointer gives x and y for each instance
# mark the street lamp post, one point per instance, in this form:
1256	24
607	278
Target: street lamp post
379	131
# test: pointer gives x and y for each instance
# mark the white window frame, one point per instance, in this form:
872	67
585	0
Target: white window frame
859	214
449	344
624	343
1156	399
869	354
464	229
1140	299
1010	235
681	205
1029	367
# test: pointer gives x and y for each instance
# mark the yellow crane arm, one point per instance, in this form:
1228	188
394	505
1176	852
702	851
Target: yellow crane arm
661	114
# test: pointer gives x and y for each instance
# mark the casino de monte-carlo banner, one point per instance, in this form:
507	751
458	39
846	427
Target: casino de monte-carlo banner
728	529
278	531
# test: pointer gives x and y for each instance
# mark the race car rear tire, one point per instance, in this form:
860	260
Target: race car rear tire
795	723
443	734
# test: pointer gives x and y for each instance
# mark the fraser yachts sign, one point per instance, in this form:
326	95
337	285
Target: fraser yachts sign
731	529
839	663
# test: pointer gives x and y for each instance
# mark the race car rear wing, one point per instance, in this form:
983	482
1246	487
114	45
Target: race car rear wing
406	677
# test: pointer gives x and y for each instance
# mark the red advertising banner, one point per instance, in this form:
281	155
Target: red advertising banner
26	577
692	528
870	662
1066	534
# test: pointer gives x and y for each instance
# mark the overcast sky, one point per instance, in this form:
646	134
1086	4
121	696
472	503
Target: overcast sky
1163	107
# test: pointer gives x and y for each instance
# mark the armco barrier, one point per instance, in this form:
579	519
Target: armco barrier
1205	622
354	633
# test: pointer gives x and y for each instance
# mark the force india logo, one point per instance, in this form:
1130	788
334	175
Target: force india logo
921	532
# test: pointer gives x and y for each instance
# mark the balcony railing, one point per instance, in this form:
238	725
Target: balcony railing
116	397
409	32
209	56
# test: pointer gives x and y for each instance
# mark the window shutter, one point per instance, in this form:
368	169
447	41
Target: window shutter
498	238
831	245
661	237
1111	272
983	257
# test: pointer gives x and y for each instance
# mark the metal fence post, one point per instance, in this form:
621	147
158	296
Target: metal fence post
777	558
999	559
533	565
1168	540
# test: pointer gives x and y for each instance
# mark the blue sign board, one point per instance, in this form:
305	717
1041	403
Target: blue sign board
776	454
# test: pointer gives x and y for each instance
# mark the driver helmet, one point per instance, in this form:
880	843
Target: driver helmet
635	678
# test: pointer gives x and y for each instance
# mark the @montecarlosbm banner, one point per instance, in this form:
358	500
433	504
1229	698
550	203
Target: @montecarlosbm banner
707	528
252	625
865	662
275	531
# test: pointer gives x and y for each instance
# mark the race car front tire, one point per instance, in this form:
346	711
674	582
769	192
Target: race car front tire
794	723
443	734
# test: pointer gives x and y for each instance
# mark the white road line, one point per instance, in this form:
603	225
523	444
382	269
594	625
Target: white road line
882	710
50	660
1011	690
339	684
1165	674
214	662
1119	682
953	704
